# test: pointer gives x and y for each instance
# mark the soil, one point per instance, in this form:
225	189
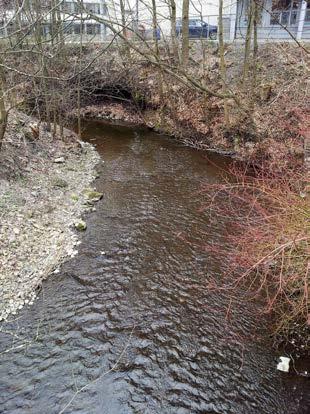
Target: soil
44	190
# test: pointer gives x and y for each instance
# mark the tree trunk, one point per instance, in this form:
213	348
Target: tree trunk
173	15
255	41
185	33
124	30
247	48
3	119
222	60
43	82
155	27
3	111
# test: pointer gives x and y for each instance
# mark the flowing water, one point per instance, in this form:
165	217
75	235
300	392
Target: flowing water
129	326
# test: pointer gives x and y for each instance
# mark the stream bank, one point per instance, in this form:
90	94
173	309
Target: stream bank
44	190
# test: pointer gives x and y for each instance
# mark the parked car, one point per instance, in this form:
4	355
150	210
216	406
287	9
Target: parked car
197	29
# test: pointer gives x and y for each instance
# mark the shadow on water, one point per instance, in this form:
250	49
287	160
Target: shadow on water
135	300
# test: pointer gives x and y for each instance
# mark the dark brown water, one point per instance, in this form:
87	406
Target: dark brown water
130	319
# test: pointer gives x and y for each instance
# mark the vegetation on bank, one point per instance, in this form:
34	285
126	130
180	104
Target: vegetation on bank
111	88
267	215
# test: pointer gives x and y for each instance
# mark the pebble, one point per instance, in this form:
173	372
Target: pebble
59	160
41	244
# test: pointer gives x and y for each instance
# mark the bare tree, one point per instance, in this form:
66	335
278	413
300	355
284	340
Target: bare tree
155	27
222	59
248	40
257	11
3	111
173	30
185	32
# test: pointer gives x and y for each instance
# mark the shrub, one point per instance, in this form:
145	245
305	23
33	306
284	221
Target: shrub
268	217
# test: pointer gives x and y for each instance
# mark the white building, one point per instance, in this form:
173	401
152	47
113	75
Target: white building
206	10
279	19
75	22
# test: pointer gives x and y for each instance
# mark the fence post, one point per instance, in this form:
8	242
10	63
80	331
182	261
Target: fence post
301	19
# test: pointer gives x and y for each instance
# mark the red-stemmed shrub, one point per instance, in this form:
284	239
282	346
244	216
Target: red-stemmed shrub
267	217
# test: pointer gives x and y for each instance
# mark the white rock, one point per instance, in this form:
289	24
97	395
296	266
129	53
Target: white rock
59	160
284	364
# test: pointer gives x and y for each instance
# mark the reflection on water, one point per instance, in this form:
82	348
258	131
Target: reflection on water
135	299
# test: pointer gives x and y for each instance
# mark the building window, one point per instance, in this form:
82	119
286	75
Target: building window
67	27
46	29
77	28
284	12
104	9
76	8
11	28
67	7
93	29
92	7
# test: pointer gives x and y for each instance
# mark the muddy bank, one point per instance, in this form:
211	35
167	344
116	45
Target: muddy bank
43	192
126	115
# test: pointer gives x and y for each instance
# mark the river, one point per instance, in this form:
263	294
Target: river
129	326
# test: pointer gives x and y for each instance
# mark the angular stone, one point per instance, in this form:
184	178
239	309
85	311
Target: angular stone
284	364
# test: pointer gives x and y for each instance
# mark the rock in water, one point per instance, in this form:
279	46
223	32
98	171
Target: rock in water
80	225
284	364
92	196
